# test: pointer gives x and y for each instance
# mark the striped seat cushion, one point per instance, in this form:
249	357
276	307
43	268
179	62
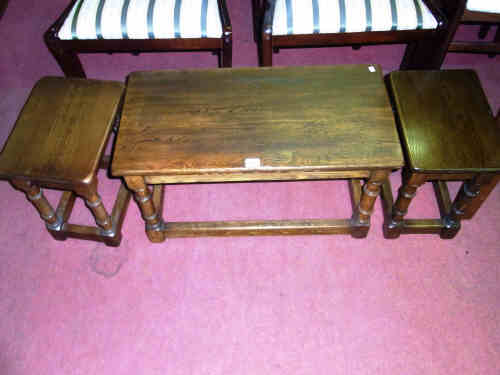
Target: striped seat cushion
340	16
489	6
142	19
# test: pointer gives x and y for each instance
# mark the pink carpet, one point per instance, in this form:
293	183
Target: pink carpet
264	305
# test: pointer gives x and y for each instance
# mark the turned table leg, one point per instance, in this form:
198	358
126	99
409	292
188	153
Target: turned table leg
370	192
468	194
95	205
44	208
407	191
102	218
143	197
484	192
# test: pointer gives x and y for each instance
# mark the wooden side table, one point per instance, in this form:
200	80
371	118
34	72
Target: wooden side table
302	123
448	133
58	142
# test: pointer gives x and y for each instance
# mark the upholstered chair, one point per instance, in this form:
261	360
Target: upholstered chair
318	23
135	26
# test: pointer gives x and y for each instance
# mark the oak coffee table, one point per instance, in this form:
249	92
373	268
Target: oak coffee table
257	124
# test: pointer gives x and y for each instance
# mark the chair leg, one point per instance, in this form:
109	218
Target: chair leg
424	54
496	40
266	50
226	54
3	7
68	62
409	61
483	31
257	17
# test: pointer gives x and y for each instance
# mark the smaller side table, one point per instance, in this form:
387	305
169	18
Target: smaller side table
58	142
448	133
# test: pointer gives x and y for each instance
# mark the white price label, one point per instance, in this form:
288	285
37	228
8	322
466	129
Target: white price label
252	163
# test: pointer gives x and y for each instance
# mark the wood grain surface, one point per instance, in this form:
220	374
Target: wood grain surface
445	121
44	148
292	119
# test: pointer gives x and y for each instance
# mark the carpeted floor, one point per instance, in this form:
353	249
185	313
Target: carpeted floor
265	305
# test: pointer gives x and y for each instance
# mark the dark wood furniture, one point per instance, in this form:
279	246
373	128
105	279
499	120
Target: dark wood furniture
434	50
66	51
269	40
58	142
485	20
448	133
3	7
265	124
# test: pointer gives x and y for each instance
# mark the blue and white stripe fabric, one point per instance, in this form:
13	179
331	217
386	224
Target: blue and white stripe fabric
339	16
488	6
142	19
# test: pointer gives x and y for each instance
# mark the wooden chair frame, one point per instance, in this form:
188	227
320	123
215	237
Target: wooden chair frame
269	43
434	51
486	20
66	51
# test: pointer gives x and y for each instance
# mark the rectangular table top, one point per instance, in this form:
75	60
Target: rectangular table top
446	122
61	131
223	121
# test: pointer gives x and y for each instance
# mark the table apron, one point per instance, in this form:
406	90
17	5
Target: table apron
257	176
